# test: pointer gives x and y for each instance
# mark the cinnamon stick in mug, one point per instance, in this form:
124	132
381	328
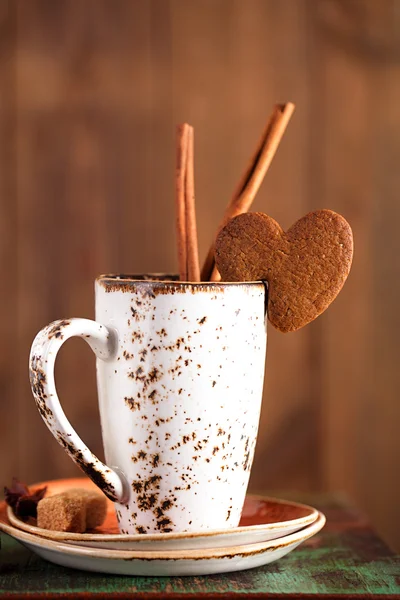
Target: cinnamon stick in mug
192	252
188	254
181	159
252	178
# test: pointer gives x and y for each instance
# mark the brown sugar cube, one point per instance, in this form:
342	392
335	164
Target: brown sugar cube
95	503
60	513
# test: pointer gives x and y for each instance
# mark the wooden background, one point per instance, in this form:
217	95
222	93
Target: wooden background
90	93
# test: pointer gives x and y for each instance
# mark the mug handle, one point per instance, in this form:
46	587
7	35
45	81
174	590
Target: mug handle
103	342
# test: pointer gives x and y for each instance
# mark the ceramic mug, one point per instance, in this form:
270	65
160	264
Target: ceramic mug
180	369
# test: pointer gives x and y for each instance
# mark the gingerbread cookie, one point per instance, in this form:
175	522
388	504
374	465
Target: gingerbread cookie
305	267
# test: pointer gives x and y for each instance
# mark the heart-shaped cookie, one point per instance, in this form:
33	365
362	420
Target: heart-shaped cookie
305	267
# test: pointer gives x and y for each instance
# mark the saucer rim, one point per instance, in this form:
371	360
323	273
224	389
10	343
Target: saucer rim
300	522
243	551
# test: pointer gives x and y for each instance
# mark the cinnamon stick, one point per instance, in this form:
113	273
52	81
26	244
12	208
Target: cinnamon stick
252	177
192	252
188	253
180	189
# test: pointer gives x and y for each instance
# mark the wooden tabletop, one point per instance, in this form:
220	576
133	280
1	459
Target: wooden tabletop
345	560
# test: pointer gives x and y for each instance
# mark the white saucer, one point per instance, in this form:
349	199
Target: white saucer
263	519
152	563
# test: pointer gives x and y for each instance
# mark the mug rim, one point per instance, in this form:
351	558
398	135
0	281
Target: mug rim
167	279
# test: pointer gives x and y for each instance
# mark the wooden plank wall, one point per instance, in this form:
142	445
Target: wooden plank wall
90	95
9	420
360	120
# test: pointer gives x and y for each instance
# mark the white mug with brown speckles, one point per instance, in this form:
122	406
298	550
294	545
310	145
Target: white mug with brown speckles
180	369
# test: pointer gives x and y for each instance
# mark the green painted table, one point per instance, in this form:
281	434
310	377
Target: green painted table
345	560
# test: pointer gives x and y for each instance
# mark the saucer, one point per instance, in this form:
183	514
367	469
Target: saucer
156	563
263	519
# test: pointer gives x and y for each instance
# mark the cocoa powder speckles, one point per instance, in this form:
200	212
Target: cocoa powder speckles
146	501
166	505
143	354
134	375
162	332
246	462
152	482
137	336
89	468
38	380
45	411
202	321
199	445
132	403
179	342
164	525
153	396
155	459
126	355
146	379
37	376
177	445
56	330
137	315
154	375
140	529
174	370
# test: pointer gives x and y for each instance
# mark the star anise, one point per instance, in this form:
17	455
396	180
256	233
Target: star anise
23	503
